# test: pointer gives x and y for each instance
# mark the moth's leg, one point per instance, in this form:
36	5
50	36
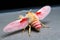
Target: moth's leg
44	26
23	30
29	30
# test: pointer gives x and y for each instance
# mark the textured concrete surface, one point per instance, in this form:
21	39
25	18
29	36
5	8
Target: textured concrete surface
52	20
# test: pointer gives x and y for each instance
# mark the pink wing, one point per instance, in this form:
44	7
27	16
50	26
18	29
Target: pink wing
16	25
43	12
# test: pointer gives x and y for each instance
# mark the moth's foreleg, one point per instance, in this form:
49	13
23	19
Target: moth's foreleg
23	30
29	30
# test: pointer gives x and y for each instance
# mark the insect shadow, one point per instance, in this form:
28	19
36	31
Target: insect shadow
12	33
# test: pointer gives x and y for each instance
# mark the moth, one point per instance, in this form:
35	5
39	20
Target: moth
31	19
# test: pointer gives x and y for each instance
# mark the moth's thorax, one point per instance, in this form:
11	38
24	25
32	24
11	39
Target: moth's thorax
31	16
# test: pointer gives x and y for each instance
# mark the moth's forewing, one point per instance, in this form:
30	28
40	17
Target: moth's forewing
16	25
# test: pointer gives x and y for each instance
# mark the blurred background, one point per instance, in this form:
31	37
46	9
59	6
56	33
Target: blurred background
17	4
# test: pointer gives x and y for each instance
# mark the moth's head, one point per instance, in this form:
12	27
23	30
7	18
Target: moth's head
29	14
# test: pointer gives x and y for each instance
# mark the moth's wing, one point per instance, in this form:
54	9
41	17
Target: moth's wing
16	25
43	12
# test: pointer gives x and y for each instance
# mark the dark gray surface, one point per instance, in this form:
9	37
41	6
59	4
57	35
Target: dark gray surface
52	33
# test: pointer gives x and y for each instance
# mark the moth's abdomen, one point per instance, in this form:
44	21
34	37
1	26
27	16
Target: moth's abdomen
36	24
